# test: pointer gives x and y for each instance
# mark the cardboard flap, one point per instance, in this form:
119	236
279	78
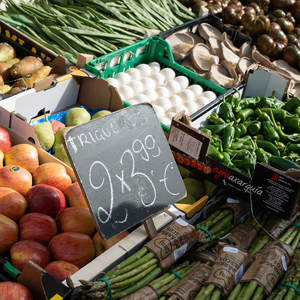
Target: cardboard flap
41	284
58	65
262	82
43	83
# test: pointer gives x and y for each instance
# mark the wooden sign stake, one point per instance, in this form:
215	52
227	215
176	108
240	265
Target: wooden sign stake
150	228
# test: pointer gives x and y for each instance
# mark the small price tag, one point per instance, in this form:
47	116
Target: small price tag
230	249
182	222
284	263
179	252
230	200
239	273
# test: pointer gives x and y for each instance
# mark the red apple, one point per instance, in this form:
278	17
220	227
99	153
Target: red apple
76	219
5	141
22	155
12	203
76	248
1	159
75	196
8	233
60	269
98	244
14	291
115	239
53	174
37	227
16	178
45	199
23	251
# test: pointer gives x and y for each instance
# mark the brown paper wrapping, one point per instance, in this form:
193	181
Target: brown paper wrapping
144	293
188	287
228	268
203	256
276	226
268	266
172	242
239	210
241	236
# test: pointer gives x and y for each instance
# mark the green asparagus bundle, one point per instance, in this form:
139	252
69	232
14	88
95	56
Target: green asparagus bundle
271	262
244	234
127	277
276	228
166	281
218	224
291	237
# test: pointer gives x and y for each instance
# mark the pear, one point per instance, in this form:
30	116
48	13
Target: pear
57	140
76	116
45	133
62	155
188	199
101	113
194	187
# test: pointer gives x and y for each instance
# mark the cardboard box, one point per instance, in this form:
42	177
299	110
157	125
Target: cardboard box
24	46
261	187
73	91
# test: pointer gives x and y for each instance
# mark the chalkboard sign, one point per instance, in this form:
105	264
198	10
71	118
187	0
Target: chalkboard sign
125	167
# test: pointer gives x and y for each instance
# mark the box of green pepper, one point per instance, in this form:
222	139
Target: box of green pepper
254	149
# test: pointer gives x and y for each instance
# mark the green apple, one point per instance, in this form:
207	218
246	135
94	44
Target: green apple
101	113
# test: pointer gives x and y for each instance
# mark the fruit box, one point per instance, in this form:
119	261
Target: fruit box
25	46
262	186
152	49
94	93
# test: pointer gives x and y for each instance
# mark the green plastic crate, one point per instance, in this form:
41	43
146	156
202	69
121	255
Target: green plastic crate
146	51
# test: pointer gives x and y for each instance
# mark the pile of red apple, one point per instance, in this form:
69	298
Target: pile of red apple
43	214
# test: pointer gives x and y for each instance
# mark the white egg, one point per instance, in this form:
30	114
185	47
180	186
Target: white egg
112	81
183	81
155	67
170	115
160	112
165	121
136	85
209	95
150	93
140	98
178	108
158	78
173	87
126	92
134	73
132	102
162	91
145	70
164	102
122	77
196	89
148	83
191	106
186	95
175	99
201	101
168	73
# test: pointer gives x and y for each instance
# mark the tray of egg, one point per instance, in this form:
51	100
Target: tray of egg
167	92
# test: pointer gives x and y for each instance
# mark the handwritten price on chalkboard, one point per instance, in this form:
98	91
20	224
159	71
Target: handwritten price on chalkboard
146	150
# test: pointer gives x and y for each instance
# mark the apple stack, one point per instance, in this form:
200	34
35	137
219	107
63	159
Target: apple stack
43	214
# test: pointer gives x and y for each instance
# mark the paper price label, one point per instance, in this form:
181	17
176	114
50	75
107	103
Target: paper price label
226	235
182	222
284	263
230	249
179	252
239	273
230	200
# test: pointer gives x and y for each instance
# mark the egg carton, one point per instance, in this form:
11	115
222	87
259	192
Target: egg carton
150	54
